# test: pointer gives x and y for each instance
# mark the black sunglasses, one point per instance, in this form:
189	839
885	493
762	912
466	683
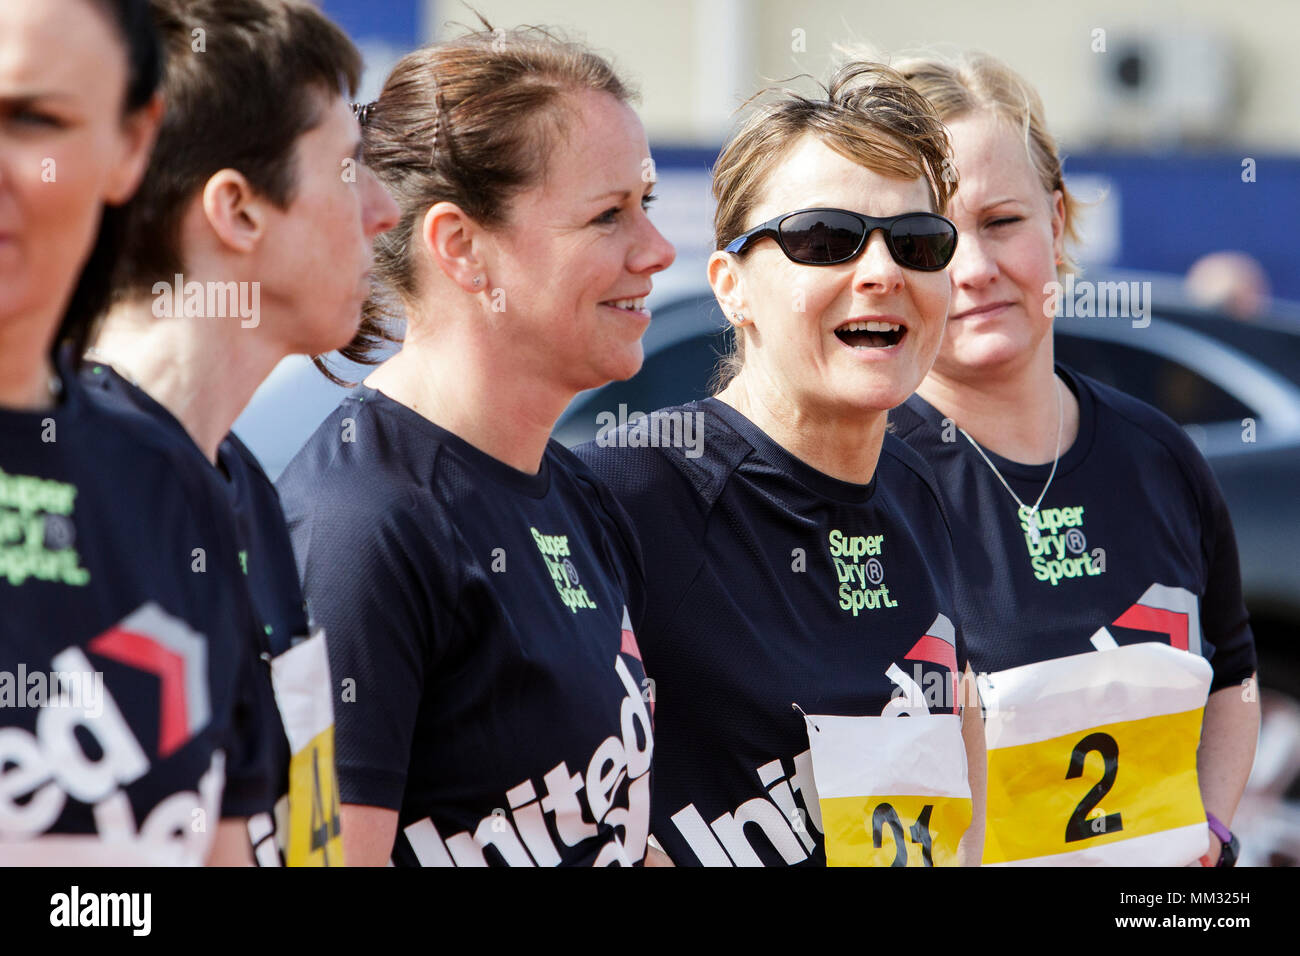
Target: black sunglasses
923	241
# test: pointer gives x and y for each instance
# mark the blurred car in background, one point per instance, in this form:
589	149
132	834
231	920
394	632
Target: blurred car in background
1234	386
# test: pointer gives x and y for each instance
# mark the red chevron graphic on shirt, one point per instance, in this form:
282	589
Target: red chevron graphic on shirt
939	646
1173	611
153	641
629	646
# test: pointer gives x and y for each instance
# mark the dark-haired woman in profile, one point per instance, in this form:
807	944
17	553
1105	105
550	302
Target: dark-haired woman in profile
472	577
118	597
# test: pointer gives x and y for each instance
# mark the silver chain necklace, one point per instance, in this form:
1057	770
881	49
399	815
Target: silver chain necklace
1025	511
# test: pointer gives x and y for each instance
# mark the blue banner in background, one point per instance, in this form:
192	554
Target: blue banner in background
1165	210
392	21
1175	208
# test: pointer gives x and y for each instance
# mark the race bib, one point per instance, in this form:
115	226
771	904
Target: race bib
1092	759
892	791
302	692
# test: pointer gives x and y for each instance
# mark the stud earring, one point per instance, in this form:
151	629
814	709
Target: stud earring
478	281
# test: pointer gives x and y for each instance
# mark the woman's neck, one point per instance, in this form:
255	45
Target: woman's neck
460	383
204	373
845	446
26	371
1024	417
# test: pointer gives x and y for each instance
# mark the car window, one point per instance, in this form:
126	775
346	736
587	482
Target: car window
1183	394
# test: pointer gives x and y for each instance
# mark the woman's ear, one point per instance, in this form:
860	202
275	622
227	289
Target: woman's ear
233	210
728	283
452	240
1058	226
134	144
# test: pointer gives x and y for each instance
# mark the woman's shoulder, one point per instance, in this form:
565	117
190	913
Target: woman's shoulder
681	449
1143	430
904	473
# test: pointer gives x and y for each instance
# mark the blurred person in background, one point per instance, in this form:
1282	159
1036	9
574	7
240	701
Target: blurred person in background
473	577
262	199
795	553
113	559
1229	282
1100	585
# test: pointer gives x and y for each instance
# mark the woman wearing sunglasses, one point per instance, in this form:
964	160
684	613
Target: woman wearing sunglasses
798	569
1100	585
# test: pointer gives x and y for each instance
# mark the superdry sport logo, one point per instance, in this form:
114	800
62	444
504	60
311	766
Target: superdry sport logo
555	552
1057	546
861	582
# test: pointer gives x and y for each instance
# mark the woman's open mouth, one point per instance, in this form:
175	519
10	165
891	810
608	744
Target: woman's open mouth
871	334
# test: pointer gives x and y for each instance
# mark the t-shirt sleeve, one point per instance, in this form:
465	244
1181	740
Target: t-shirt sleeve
668	518
1225	622
251	753
369	576
253	724
622	543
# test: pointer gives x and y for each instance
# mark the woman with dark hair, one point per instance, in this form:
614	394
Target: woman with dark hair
472	577
117	568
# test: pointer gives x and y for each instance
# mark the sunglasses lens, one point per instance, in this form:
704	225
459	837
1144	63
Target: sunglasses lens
923	242
821	238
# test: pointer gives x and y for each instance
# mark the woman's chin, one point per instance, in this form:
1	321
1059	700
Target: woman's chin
986	353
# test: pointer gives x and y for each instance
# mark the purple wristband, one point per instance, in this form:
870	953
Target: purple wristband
1218	829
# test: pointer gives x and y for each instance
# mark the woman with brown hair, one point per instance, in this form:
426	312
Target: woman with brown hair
1099	582
472	577
799	570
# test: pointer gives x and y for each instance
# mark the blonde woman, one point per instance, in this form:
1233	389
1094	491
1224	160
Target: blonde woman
1102	594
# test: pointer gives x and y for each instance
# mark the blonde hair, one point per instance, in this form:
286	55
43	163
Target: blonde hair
971	82
869	114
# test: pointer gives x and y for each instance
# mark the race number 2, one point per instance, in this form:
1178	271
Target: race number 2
1079	827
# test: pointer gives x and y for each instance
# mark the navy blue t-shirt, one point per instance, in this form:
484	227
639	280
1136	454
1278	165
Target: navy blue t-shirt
769	584
489	684
265	552
1133	537
118	574
265	556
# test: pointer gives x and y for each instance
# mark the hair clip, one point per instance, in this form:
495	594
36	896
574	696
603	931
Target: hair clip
362	111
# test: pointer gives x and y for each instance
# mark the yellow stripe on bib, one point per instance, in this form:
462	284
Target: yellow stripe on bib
894	831
314	829
1093	787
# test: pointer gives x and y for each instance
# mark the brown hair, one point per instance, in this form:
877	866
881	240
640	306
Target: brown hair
971	82
238	101
869	114
470	121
